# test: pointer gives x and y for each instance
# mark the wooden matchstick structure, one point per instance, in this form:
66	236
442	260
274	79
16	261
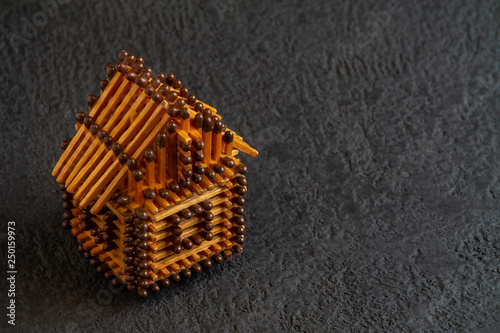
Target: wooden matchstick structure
152	187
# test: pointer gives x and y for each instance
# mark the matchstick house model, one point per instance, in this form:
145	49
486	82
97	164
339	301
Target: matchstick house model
152	187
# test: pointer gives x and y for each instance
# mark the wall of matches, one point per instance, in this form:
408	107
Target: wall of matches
152	186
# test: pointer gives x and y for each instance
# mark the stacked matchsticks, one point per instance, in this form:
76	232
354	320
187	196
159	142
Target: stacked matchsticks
152	187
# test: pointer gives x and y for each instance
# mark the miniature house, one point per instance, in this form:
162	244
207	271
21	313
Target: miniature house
152	185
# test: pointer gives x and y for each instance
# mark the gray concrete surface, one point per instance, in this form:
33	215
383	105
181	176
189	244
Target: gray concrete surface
374	203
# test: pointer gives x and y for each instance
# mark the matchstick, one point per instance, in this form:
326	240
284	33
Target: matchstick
131	184
229	140
208	124
149	156
186	121
198	123
172	149
161	140
217	140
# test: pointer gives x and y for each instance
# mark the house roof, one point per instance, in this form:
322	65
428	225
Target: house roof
137	112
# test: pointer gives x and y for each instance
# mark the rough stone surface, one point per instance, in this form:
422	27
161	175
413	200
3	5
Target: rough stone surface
374	203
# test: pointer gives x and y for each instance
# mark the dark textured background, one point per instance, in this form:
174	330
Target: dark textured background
374	202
